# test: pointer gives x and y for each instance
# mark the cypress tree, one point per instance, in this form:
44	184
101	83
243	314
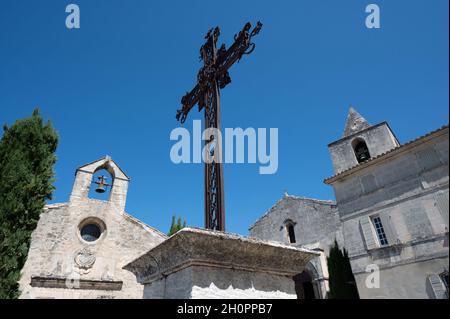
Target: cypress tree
341	280
176	225
27	156
172	227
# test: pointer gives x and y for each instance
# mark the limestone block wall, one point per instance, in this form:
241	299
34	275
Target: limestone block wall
57	246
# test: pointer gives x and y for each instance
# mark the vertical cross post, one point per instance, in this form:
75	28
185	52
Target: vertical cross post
212	77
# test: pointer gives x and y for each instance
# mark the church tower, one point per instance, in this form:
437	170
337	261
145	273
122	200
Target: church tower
360	142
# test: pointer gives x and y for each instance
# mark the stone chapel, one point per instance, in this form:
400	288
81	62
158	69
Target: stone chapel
79	248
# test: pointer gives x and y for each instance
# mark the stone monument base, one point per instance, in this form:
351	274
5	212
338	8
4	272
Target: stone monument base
196	263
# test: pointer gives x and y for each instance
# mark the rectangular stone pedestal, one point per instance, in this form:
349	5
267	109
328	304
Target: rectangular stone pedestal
197	263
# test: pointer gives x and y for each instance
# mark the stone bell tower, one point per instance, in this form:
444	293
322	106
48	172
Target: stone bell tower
119	183
360	142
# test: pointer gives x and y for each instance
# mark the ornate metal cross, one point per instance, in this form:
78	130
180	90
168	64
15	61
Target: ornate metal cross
212	77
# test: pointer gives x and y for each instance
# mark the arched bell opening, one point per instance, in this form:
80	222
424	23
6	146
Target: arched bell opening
361	150
102	183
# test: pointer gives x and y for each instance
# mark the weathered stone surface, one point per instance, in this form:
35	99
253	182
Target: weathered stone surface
316	226
313	221
354	123
196	263
213	283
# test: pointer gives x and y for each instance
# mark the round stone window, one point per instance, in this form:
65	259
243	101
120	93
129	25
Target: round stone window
90	232
91	229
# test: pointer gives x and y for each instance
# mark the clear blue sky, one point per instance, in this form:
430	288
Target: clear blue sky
113	86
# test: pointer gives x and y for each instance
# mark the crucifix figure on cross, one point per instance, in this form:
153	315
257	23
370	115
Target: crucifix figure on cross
212	77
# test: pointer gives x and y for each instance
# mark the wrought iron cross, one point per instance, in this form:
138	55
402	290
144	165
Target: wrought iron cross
212	77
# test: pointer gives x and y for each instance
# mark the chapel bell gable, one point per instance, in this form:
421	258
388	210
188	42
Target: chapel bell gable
116	183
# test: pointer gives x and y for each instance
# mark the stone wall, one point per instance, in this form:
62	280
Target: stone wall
406	282
56	243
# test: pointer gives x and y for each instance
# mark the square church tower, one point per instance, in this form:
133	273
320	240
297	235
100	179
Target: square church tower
360	142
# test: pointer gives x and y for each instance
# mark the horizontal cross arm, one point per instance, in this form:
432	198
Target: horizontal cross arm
242	45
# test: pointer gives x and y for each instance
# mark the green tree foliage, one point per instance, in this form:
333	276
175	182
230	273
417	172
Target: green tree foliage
176	225
27	156
341	279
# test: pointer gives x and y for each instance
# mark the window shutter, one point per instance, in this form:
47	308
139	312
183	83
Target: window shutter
442	205
389	230
437	286
367	230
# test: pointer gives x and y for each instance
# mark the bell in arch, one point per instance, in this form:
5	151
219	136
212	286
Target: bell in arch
102	185
362	152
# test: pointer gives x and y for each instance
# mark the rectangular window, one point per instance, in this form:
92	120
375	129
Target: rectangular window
291	233
381	234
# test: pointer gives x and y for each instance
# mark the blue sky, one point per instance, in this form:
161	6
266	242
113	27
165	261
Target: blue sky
113	87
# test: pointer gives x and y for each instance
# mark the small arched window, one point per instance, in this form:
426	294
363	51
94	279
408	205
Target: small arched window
361	150
289	224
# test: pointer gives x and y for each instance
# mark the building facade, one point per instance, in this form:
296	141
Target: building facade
79	248
391	212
